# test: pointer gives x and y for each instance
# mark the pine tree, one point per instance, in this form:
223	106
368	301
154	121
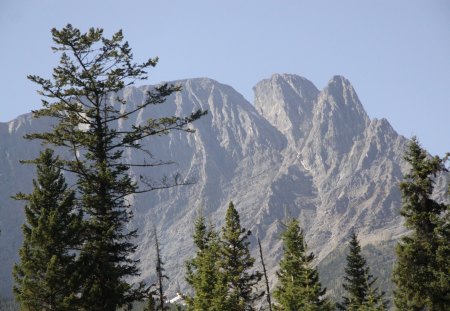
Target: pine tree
358	282
202	272
236	264
299	287
45	275
84	97
421	271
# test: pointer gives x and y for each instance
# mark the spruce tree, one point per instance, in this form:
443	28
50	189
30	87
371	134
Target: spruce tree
373	302
422	267
84	98
358	282
299	287
45	274
236	264
202	271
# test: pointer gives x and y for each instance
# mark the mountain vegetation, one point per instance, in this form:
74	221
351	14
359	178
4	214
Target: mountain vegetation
360	291
46	277
221	273
237	263
202	271
92	68
298	287
422	271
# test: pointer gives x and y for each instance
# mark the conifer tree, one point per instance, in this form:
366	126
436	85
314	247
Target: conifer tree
150	305
202	272
236	264
150	301
358	282
84	97
442	273
422	268
299	287
45	274
373	302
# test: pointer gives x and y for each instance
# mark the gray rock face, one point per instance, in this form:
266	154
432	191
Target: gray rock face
298	152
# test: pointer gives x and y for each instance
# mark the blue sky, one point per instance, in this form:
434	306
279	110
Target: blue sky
395	53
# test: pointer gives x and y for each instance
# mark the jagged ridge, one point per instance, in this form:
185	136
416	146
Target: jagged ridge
298	152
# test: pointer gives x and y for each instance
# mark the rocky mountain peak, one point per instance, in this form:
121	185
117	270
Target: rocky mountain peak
287	101
298	152
303	87
339	118
342	98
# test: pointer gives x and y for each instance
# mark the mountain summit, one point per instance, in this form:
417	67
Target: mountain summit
298	152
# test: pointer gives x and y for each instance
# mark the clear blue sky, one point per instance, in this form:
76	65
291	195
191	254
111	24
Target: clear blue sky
395	53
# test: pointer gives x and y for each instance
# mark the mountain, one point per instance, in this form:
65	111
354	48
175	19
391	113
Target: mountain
297	152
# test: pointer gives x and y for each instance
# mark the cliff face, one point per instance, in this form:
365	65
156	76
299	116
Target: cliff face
298	152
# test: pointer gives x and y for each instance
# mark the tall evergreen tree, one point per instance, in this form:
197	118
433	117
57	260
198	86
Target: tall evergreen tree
84	98
236	264
358	282
422	268
299	287
45	274
202	272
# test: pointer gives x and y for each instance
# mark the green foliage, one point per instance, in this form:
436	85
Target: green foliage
220	273
236	264
45	275
422	268
379	257
373	302
150	304
358	282
299	287
442	273
202	272
84	97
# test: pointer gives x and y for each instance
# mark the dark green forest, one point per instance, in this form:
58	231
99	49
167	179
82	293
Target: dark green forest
77	246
